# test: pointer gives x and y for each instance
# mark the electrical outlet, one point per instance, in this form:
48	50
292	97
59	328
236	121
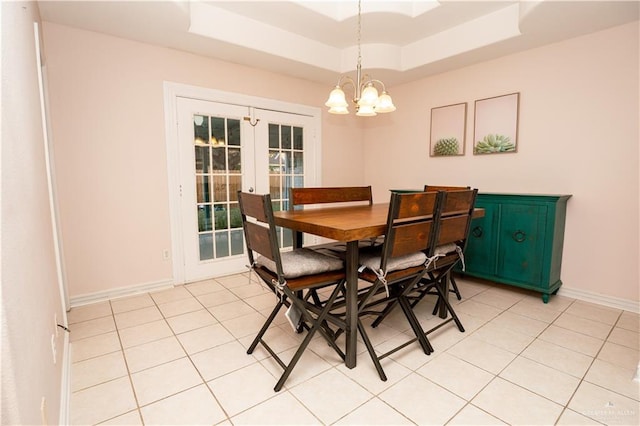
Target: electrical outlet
165	254
54	351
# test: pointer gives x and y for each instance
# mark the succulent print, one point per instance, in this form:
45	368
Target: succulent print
494	143
446	146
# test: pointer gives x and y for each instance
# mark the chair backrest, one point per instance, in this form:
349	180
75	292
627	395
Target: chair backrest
444	188
325	195
260	233
455	216
410	224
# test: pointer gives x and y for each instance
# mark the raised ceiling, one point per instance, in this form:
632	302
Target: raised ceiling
317	40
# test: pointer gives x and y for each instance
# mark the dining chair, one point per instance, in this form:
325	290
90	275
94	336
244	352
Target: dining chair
348	195
395	267
290	275
454	286
451	232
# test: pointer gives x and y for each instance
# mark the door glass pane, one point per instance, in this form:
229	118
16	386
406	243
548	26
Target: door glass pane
235	185
235	220
237	242
202	189
219	188
218	159
201	129
274	136
202	159
220	214
286	168
297	138
274	187
233	132
234	159
286	137
206	246
204	217
217	131
218	169
298	163
222	244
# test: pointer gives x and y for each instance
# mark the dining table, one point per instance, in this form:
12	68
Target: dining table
349	224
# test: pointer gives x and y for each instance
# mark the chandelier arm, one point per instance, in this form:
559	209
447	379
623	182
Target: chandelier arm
372	80
344	81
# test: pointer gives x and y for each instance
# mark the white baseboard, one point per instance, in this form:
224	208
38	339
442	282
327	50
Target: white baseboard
65	387
600	299
116	293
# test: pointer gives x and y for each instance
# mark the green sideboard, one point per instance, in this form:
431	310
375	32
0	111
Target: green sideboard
518	241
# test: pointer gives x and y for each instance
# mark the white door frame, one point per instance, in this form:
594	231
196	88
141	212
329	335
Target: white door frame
172	91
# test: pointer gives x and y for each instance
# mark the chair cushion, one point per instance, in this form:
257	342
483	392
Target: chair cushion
301	262
445	249
371	259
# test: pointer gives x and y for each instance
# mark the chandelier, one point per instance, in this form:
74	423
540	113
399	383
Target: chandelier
368	102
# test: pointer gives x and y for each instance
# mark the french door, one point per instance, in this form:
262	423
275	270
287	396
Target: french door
224	148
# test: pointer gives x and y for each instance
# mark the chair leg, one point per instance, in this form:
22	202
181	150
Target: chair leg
372	352
265	327
415	325
454	286
442	299
316	325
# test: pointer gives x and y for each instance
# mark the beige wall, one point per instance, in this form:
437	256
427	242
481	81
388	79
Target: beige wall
576	98
108	127
30	292
578	134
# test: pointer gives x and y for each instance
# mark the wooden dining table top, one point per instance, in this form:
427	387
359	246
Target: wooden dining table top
346	223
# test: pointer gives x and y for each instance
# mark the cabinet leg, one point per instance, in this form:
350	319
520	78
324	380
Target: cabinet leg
545	297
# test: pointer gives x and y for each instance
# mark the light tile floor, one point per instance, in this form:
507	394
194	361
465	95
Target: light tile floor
178	357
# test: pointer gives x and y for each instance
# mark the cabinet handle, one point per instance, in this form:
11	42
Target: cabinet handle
519	236
477	231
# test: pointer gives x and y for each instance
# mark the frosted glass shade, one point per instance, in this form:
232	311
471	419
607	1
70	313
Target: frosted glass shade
369	96
385	103
365	111
336	99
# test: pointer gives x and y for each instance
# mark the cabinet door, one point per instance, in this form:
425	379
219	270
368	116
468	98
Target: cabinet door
480	253
521	242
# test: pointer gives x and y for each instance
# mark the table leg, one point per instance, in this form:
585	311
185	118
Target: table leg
351	333
297	239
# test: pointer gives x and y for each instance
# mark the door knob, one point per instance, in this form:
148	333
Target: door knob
251	189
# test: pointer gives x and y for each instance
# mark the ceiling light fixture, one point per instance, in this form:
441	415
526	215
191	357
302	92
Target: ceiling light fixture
368	102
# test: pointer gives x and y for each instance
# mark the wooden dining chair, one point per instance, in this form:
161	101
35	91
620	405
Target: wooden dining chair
452	281
347	195
399	264
290	275
452	230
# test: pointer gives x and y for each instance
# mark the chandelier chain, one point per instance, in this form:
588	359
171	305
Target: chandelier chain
359	30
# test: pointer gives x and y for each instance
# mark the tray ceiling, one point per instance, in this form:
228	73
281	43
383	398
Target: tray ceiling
317	40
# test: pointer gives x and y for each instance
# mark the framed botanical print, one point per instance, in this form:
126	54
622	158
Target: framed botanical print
448	129
496	124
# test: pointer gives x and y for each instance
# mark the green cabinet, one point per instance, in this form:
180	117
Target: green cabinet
518	241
